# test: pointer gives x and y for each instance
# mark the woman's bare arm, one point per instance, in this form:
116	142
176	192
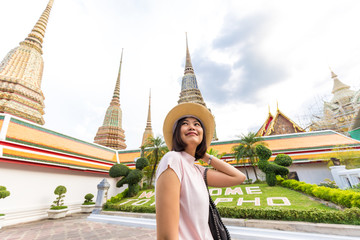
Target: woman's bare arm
225	175
167	205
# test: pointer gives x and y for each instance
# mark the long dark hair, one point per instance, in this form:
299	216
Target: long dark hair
178	145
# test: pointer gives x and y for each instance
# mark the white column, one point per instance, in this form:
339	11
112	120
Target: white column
336	171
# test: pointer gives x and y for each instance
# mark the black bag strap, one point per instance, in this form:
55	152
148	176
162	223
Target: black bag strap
205	178
213	206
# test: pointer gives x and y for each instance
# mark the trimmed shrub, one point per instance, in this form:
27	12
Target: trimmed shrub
130	177
345	198
134	176
271	169
59	202
141	163
119	170
283	160
89	199
118	197
3	192
328	183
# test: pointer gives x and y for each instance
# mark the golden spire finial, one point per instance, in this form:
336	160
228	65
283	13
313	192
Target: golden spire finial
277	105
36	36
149	111
117	86
269	108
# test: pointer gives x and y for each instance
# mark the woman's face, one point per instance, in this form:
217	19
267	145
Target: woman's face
191	131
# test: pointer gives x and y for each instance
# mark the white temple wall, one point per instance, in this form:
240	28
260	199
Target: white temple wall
313	173
32	190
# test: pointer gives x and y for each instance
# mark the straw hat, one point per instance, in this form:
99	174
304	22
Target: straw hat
188	110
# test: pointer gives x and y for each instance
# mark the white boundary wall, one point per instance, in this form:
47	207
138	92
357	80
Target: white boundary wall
32	190
345	178
313	173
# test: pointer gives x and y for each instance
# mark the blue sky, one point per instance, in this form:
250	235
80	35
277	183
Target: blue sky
247	55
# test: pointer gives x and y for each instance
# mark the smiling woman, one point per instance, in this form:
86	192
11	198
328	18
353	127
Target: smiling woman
182	201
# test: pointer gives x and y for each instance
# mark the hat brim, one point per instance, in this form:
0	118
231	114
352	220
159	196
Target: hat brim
188	109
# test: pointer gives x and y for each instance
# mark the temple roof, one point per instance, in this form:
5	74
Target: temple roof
30	144
262	131
280	124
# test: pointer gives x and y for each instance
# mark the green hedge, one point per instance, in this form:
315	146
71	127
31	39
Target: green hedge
345	198
348	216
128	208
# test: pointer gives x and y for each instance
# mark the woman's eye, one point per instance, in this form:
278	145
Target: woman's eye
197	124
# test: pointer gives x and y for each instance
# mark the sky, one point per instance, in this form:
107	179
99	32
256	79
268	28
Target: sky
248	56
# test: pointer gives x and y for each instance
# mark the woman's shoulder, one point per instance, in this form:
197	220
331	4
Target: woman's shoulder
172	155
171	159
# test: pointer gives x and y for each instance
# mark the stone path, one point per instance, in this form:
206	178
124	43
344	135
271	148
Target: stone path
74	227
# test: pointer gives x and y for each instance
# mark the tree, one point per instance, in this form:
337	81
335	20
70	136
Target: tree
239	153
154	150
246	151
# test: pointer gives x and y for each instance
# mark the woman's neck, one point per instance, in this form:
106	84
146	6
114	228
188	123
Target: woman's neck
190	150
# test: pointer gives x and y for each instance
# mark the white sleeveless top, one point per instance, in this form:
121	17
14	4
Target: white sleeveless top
194	198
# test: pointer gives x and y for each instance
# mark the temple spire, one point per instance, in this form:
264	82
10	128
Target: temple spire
188	65
116	95
21	75
338	85
190	91
148	130
111	134
148	123
36	36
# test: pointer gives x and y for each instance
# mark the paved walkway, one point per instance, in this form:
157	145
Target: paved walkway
78	226
74	227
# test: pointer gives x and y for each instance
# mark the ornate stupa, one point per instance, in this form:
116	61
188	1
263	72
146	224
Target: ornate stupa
111	134
339	113
280	124
189	87
148	129
21	74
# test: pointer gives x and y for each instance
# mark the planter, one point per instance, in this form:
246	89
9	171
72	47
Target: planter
87	208
1	220
55	214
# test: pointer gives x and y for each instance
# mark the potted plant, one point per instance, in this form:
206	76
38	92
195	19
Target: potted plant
3	194
88	204
58	210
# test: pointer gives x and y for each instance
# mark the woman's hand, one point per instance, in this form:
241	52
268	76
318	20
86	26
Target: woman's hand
225	175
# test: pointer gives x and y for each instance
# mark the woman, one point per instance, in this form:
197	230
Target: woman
182	201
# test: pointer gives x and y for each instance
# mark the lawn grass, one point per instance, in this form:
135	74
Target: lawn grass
298	201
